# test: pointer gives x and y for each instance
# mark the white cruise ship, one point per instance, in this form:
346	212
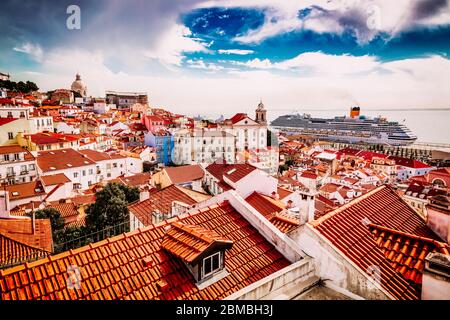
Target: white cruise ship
353	129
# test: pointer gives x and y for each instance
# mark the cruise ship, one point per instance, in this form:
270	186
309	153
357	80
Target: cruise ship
355	128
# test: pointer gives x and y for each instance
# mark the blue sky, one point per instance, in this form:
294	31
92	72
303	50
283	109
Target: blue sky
198	56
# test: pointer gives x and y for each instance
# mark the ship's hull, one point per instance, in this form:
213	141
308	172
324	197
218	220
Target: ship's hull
347	130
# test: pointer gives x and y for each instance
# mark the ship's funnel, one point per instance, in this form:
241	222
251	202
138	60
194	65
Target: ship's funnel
354	112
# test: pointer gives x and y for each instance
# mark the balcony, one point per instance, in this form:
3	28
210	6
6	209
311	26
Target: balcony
11	174
23	172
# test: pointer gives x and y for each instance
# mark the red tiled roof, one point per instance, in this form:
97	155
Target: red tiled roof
346	228
184	173
283	193
410	163
238	117
55	179
6	120
25	190
16	149
83	199
136	180
162	201
272	210
115	268
59	160
50	137
234	172
308	175
189	242
405	252
18	244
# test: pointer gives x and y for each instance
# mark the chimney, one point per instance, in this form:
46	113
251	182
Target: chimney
436	277
33	221
275	195
144	194
311	207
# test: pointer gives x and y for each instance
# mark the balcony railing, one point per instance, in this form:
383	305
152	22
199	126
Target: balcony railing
24	172
10	174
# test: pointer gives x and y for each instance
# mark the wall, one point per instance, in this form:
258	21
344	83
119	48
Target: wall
439	222
332	265
286	246
296	272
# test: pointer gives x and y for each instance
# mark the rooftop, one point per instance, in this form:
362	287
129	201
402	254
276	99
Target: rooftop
25	190
162	201
184	173
136	266
18	243
347	228
62	160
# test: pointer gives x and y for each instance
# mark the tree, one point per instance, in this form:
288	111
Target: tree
56	221
110	207
131	193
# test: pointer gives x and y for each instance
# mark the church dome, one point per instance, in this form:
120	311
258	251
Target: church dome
79	86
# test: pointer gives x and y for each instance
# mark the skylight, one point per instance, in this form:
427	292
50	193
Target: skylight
69	165
231	171
52	168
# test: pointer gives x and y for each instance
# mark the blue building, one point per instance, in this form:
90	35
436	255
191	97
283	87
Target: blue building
163	143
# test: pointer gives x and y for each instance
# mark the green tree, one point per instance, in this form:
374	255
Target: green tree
56	221
109	209
131	193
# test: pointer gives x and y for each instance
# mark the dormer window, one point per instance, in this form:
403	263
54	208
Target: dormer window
201	250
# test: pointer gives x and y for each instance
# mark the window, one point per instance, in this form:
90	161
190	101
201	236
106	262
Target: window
61	145
49	147
10	114
22	114
10	135
211	264
115	165
91	171
75	174
41	148
6	157
16	156
84	173
31	167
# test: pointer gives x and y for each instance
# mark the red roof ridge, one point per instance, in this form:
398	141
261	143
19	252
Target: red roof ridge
285	218
317	222
441	245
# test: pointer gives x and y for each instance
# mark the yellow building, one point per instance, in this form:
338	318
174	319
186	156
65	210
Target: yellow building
48	141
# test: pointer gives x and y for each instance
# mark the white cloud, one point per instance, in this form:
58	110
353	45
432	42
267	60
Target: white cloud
170	47
365	17
318	64
235	51
406	83
33	50
200	64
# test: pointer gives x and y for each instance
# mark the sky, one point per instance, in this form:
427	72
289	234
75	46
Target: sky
219	57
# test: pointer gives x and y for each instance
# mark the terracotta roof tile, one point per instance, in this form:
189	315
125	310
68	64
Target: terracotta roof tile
184	173
120	262
406	252
161	201
234	172
61	160
18	244
188	242
53	179
25	190
346	228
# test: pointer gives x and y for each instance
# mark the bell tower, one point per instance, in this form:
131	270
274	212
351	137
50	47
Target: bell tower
261	114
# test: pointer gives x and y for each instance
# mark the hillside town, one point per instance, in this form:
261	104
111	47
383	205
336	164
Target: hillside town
114	198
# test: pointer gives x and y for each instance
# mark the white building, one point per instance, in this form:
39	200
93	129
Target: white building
203	146
81	170
17	165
